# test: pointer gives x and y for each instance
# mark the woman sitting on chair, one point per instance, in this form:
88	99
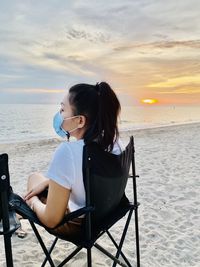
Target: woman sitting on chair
88	113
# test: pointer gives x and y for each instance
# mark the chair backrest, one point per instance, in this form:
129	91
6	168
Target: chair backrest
105	178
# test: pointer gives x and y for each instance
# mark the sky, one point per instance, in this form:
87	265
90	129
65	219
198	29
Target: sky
142	48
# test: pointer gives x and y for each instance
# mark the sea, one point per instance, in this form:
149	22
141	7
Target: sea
26	122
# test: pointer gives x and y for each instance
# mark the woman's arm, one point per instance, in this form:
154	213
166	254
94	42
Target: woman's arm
51	213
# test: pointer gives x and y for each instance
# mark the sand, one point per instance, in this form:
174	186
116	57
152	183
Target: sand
168	162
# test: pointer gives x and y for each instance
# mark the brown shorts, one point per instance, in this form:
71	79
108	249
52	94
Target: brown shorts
69	229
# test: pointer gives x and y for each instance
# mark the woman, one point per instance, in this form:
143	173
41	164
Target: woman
88	113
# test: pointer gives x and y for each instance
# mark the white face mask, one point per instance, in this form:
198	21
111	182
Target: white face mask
57	125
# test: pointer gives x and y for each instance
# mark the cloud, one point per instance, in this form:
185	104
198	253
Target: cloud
33	91
182	85
193	44
134	44
178	81
93	37
185	91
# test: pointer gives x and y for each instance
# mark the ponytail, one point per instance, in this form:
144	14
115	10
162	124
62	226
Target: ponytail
109	108
101	107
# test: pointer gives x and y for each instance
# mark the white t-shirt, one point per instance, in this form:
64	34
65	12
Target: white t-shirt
66	170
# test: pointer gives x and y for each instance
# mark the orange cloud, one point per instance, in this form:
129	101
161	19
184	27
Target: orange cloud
178	81
182	91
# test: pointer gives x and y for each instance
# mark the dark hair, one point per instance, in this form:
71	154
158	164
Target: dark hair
101	107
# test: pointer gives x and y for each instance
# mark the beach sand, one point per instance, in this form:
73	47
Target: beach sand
168	162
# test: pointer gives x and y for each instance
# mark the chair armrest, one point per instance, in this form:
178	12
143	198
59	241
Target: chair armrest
19	205
131	176
75	214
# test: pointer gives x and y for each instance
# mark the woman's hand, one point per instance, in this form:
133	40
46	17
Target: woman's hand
31	201
36	190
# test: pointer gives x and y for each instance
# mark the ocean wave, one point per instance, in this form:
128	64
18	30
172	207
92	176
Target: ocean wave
123	131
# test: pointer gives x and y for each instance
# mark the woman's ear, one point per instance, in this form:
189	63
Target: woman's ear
82	121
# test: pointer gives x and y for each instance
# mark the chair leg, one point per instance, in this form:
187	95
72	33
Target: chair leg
70	256
50	250
47	253
137	237
42	244
8	250
123	236
89	257
117	247
109	255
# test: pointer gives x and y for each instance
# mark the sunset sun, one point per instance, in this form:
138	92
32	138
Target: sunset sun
149	101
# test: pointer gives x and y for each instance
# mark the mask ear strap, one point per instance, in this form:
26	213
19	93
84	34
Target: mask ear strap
68	133
72	130
68	136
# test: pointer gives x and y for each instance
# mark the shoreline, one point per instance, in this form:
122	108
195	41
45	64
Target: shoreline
154	126
122	132
158	128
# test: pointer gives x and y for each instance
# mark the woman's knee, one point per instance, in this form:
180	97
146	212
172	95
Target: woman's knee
33	176
34	179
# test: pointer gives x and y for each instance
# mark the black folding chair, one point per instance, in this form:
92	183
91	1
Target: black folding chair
105	178
8	221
